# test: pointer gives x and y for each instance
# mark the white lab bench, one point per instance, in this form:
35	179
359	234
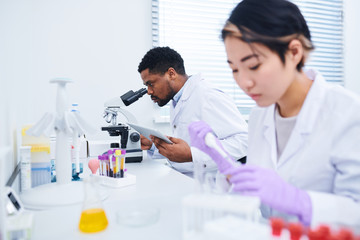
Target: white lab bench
157	187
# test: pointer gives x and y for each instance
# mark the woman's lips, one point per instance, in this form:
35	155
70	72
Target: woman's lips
255	96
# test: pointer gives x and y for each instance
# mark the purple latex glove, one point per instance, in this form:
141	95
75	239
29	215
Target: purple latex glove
198	131
272	190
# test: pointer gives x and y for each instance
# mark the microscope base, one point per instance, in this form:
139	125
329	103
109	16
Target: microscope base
133	156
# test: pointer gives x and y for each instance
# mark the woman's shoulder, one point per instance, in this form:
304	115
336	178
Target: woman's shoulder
333	93
338	97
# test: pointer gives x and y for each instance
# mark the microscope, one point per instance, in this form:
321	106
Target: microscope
129	138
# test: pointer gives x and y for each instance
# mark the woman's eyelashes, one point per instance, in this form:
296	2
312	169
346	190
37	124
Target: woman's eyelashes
255	67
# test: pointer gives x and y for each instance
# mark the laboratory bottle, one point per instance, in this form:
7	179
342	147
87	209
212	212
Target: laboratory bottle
75	107
93	218
25	168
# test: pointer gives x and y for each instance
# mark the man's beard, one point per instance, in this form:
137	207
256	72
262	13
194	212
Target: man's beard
169	96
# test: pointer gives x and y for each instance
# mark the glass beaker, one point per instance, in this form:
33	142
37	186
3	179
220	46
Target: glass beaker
93	218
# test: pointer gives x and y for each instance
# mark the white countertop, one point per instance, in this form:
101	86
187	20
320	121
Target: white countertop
157	187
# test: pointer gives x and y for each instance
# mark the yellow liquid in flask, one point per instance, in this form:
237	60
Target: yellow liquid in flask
93	220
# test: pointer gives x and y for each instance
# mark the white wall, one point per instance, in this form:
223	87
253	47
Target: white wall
351	43
97	43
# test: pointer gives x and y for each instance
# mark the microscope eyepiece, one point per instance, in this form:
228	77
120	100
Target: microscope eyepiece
131	96
142	91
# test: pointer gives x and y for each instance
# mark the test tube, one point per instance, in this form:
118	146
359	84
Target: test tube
25	168
115	168
103	162
118	159
106	161
111	167
122	163
104	165
100	168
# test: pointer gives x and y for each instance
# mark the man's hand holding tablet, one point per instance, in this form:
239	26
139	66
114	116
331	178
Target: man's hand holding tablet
145	131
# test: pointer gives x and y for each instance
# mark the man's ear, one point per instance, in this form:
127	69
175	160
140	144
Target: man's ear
295	51
172	73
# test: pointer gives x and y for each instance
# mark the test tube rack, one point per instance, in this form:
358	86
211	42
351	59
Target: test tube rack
127	180
203	208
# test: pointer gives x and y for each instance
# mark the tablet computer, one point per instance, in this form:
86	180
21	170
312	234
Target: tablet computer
145	131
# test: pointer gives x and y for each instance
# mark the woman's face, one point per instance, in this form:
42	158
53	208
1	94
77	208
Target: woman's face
258	71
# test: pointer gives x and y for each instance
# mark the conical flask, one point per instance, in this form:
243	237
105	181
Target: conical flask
93	218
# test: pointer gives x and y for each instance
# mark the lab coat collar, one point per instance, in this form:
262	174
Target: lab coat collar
269	132
305	121
188	88
312	104
190	85
178	95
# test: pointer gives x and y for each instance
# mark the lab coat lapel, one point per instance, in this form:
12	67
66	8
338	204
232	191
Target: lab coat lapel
269	133
295	143
175	111
306	119
189	86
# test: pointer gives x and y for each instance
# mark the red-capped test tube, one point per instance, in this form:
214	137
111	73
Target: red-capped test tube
296	231
277	225
345	234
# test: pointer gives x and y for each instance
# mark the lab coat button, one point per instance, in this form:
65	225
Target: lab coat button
174	126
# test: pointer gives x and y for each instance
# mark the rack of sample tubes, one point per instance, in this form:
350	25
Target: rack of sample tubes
112	171
112	163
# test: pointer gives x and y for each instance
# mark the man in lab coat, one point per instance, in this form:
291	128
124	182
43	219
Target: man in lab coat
191	99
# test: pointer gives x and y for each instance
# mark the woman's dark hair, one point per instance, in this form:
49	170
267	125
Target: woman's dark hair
160	59
273	23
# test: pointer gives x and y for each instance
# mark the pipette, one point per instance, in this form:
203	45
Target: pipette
223	163
210	141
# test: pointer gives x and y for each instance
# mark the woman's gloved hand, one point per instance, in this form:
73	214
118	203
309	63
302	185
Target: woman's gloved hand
271	189
198	132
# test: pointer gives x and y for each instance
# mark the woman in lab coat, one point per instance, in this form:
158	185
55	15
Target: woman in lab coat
304	134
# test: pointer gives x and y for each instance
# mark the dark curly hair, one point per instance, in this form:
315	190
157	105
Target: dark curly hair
160	59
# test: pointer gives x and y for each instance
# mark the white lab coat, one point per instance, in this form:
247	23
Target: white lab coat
322	155
201	101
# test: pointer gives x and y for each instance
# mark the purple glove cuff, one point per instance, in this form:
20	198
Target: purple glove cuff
305	208
272	190
302	206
